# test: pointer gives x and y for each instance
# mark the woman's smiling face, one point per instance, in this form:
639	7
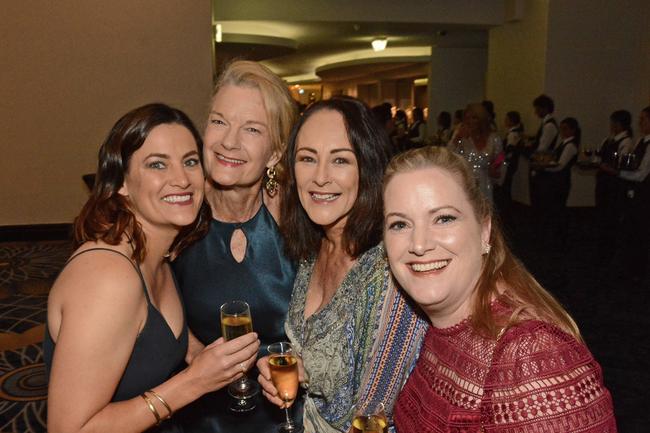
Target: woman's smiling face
435	243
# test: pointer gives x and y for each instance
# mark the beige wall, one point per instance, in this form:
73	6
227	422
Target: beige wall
517	63
70	69
456	78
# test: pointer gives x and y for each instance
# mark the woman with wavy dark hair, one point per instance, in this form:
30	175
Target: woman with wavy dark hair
355	334
116	334
501	354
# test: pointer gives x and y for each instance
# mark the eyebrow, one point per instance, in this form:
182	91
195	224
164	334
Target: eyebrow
165	156
430	212
337	150
248	122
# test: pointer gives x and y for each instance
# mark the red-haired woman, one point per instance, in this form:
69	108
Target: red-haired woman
501	355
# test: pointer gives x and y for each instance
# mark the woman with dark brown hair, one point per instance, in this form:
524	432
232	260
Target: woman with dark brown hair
116	334
501	354
355	334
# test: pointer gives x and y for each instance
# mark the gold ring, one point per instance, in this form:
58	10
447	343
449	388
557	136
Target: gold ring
243	367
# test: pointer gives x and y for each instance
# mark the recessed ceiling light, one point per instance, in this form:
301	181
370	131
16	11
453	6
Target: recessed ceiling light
379	44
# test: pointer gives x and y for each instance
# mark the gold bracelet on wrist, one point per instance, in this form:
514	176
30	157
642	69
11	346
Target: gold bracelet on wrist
152	408
164	403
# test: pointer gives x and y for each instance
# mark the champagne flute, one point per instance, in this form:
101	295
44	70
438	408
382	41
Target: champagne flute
370	420
236	321
284	374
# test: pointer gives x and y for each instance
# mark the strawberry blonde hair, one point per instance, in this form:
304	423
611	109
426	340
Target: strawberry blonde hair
523	294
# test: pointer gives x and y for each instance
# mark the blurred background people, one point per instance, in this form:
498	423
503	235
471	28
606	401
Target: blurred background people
558	177
480	146
443	133
637	205
513	145
417	132
609	192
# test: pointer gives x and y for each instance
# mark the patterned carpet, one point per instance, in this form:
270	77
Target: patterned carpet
27	270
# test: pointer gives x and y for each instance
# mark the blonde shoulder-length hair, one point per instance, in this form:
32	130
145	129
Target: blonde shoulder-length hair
501	269
280	108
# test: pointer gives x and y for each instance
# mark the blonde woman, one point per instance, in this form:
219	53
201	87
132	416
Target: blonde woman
242	256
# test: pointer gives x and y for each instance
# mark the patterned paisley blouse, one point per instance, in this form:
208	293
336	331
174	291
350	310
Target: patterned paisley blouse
359	348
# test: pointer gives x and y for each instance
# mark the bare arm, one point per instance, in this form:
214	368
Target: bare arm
96	310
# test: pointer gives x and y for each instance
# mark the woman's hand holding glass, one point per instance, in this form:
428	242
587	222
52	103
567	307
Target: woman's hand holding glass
222	362
268	388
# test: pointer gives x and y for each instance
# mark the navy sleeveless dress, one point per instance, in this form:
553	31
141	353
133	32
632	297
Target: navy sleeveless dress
209	276
157	353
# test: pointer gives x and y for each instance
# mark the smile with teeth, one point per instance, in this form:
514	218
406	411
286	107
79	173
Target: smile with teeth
230	160
177	198
431	266
324	196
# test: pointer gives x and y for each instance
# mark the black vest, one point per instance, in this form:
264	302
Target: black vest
609	150
557	154
538	136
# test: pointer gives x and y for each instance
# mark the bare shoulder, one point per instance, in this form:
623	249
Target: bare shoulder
96	282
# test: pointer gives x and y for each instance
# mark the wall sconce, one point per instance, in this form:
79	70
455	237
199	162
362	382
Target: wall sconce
218	35
379	44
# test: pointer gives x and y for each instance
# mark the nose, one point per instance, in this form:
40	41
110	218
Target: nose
421	241
230	140
322	175
179	176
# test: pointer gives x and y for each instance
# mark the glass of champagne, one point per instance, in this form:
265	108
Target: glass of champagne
284	374
370	419
235	322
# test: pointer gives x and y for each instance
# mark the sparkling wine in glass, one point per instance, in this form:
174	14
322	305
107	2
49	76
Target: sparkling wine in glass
370	420
236	321
284	374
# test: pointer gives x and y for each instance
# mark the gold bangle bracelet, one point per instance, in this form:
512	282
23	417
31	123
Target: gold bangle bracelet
164	403
152	408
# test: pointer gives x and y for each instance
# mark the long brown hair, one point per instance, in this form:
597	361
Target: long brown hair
523	294
107	216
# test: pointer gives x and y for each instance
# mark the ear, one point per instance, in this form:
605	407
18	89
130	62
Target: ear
274	159
124	190
486	229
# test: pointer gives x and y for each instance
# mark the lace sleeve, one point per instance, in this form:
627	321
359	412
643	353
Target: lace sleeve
543	379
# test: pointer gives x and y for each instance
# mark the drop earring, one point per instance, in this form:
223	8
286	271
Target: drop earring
271	184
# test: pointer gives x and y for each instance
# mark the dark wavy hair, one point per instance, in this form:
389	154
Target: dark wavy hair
107	216
371	145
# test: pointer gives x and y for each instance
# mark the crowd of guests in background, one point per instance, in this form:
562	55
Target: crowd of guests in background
620	162
391	278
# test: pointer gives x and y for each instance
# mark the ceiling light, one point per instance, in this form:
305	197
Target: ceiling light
379	44
218	37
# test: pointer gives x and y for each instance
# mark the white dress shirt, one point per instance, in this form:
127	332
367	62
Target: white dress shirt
568	152
549	135
642	172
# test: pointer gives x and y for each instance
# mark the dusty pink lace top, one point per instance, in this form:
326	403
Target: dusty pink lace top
535	379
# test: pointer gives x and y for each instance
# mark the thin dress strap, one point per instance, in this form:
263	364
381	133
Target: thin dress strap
136	267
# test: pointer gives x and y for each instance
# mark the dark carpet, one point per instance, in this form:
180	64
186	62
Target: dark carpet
610	307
